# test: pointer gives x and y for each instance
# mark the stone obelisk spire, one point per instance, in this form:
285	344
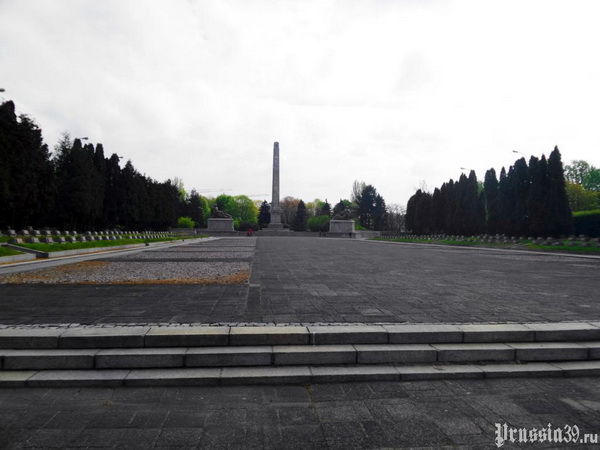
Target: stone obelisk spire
275	209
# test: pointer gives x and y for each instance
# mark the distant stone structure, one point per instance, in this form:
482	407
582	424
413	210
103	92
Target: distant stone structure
216	213
275	208
343	215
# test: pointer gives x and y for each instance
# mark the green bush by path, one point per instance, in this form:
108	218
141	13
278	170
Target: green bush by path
185	222
319	223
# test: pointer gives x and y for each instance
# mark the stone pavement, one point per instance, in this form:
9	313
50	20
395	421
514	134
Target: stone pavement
428	414
311	280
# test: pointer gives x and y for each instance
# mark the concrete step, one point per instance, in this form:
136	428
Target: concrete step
290	374
294	355
89	337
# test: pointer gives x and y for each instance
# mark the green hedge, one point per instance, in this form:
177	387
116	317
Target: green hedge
319	223
587	222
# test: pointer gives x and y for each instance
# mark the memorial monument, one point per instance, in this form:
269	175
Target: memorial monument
275	208
220	221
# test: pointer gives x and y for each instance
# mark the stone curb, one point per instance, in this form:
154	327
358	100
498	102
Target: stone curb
288	375
17	258
293	355
139	336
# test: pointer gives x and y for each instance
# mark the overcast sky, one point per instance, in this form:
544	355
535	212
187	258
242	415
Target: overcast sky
389	92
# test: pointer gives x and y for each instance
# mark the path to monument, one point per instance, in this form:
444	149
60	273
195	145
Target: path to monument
309	280
425	414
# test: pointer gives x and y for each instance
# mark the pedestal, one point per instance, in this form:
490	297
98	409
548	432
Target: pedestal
341	226
220	225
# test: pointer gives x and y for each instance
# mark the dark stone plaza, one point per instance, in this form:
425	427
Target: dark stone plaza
312	281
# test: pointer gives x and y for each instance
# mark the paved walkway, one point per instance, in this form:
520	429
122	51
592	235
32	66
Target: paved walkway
440	414
310	280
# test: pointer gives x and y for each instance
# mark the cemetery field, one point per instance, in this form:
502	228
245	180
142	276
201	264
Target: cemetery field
55	247
4	251
523	244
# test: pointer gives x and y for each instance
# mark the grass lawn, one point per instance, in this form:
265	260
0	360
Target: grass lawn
524	244
91	244
4	251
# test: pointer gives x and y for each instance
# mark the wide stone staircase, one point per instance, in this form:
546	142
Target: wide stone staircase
153	355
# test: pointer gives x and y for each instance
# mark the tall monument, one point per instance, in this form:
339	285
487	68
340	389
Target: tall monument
275	209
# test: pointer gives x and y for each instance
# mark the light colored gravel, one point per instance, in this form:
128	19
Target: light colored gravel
104	272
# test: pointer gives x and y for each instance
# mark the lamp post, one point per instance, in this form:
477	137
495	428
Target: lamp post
520	153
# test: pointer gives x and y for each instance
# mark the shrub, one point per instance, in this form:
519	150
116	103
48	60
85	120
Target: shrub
358	226
319	223
587	222
247	225
185	222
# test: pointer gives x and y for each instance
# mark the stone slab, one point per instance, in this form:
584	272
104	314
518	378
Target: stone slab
78	378
520	370
594	349
265	375
579	368
268	336
136	358
549	351
173	377
440	372
14	378
17	258
103	337
47	359
395	353
19	338
186	336
353	373
229	356
354	334
565	331
496	333
315	354
474	352
220	225
423	333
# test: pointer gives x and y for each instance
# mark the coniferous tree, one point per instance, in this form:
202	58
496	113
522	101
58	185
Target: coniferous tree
366	207
301	220
437	211
519	184
490	188
537	200
560	216
264	214
379	213
505	204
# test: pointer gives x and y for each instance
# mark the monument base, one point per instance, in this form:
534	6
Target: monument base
275	226
341	226
220	225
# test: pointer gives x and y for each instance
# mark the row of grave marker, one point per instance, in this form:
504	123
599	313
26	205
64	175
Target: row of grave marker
51	237
583	241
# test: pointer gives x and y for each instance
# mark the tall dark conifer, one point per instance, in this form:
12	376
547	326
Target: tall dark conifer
537	201
490	188
560	216
301	219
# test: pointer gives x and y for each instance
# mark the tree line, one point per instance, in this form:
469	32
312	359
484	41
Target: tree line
528	200
77	187
366	207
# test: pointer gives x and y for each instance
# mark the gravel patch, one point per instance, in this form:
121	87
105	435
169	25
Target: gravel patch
105	272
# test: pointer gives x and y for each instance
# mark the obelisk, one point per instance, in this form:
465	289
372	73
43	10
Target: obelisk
275	209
